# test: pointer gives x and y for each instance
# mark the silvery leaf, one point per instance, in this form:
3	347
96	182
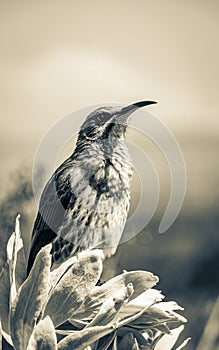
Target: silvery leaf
106	341
5	297
12	274
183	345
142	301
74	286
168	340
78	340
110	307
30	300
153	316
19	256
121	332
58	272
0	335
15	250
117	286
43	336
128	342
7	339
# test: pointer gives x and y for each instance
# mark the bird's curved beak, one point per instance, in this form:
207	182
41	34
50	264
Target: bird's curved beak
126	111
137	105
143	103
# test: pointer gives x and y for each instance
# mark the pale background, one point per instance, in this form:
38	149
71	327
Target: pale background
57	56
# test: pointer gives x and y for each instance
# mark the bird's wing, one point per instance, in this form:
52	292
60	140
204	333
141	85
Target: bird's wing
84	200
53	203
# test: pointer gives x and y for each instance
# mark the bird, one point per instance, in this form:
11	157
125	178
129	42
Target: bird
85	203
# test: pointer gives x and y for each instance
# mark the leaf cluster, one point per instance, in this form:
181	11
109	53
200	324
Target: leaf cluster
67	309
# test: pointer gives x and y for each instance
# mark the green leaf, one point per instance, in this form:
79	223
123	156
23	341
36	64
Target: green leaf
43	336
74	286
117	286
30	300
78	340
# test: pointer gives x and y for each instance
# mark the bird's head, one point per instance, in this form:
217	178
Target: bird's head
109	121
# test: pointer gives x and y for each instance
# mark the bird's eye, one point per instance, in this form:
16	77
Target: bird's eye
92	132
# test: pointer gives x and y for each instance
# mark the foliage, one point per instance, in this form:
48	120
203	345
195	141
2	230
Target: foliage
65	308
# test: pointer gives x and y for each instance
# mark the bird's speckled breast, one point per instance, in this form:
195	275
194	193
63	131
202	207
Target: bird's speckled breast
101	187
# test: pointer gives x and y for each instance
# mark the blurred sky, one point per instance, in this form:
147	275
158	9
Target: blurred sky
57	56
